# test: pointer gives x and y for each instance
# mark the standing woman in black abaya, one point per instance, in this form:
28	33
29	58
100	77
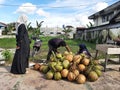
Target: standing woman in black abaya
21	58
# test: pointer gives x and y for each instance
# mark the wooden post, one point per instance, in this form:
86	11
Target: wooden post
119	62
85	35
106	61
96	54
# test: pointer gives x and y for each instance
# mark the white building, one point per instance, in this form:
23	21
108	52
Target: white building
109	15
2	27
105	21
55	31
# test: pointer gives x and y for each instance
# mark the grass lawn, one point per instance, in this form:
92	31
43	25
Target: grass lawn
73	44
7	43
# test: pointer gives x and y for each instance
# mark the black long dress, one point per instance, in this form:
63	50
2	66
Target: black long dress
20	60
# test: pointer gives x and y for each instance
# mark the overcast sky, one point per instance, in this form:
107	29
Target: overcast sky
52	12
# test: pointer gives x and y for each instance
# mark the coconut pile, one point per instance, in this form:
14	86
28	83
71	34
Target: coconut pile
74	68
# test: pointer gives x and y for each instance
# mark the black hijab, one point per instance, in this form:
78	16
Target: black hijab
83	48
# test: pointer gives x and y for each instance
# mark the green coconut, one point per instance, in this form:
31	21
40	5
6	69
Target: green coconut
58	67
62	59
87	70
45	69
52	65
98	67
52	58
59	63
99	72
57	76
92	76
59	55
49	74
66	64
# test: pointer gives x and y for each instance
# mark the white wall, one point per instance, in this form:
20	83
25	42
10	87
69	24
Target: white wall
0	32
116	31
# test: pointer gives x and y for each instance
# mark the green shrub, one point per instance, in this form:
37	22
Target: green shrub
7	55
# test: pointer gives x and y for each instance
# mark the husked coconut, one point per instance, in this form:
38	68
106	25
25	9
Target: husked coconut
77	58
81	67
69	57
81	79
71	76
64	73
85	61
36	66
76	72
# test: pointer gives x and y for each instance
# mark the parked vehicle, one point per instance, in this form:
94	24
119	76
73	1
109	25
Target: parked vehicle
36	46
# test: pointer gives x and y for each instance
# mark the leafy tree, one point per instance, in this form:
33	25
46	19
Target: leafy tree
5	31
9	28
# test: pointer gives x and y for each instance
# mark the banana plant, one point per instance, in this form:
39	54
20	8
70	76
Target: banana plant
67	30
38	29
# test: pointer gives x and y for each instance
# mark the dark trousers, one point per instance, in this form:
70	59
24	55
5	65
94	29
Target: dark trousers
51	48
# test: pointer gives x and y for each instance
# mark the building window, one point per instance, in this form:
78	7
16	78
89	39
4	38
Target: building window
105	18
111	15
58	32
51	33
